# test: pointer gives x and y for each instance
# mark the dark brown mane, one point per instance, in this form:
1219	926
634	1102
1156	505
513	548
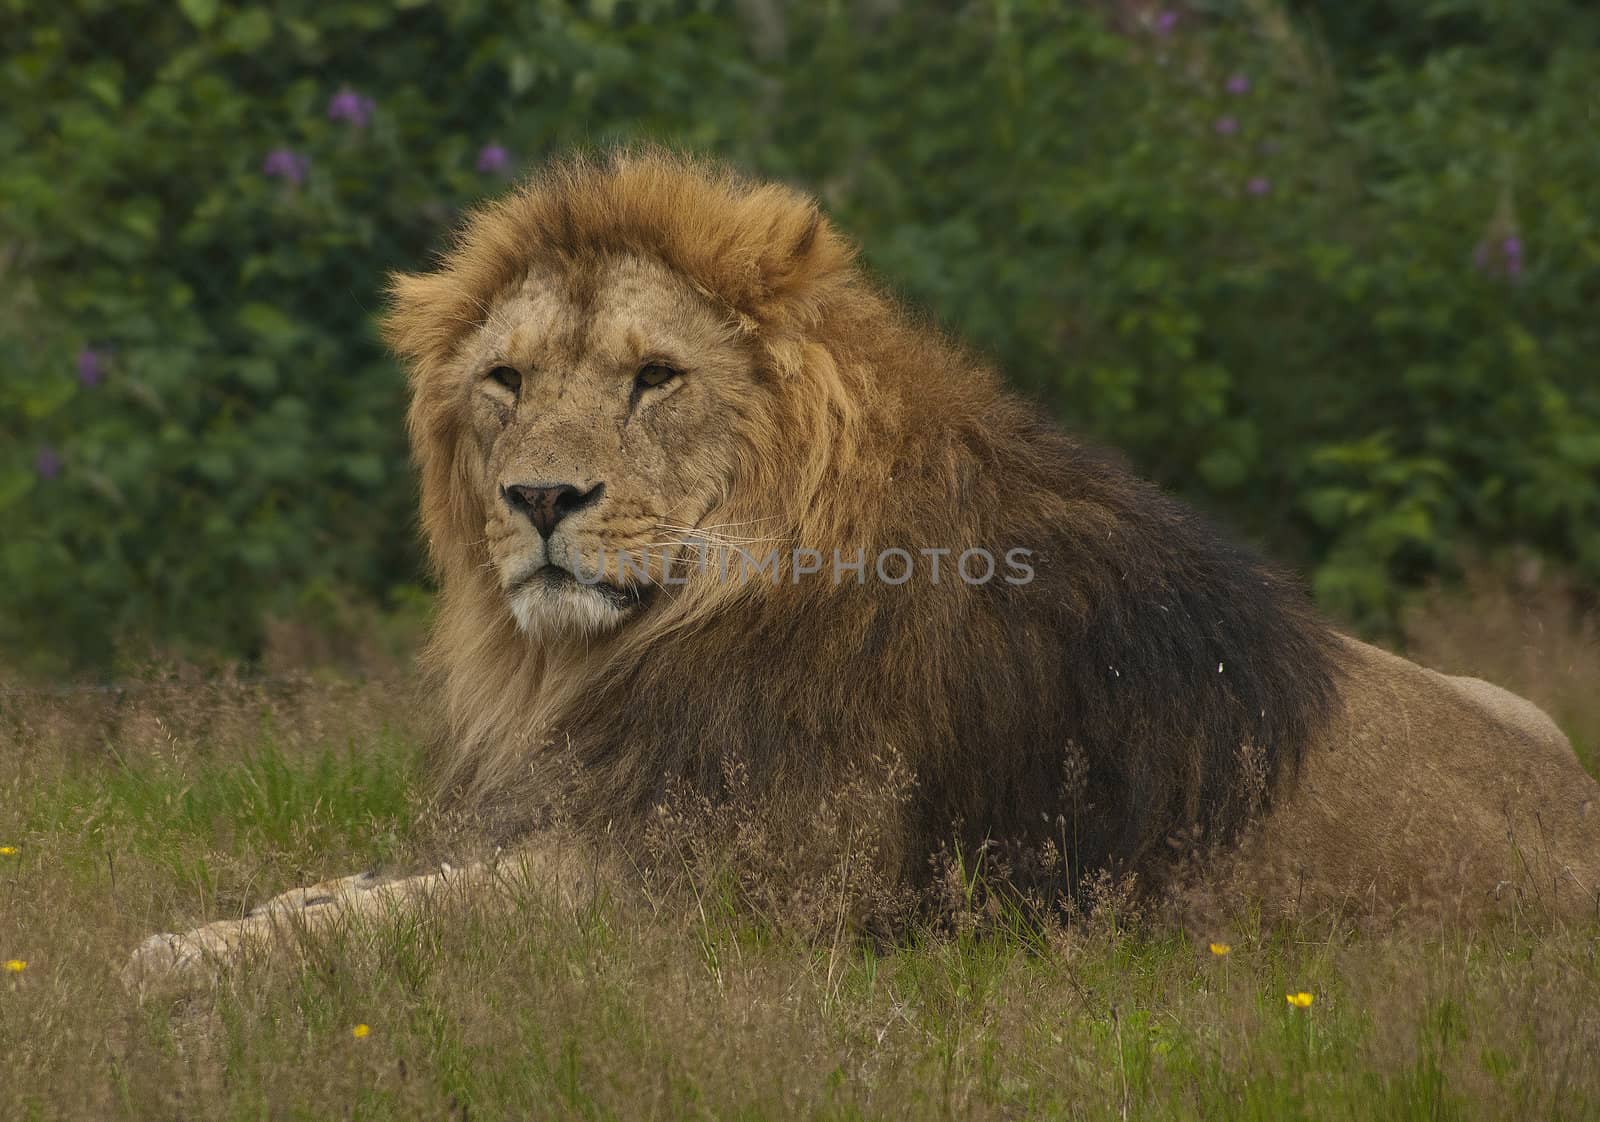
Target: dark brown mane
1178	674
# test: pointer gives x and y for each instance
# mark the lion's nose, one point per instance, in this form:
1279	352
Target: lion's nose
546	504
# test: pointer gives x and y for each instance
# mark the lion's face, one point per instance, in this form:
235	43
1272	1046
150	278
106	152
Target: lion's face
604	406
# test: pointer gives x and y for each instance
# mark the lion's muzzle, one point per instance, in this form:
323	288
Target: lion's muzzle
546	504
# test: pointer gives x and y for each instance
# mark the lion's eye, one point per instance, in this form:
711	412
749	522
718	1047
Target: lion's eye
507	377
654	374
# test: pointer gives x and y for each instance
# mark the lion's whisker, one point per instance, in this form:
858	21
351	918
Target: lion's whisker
716	525
721	543
687	535
711	527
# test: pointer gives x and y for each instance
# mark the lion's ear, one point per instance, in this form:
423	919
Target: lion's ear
804	255
422	318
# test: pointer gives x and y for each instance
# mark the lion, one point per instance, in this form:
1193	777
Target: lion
688	478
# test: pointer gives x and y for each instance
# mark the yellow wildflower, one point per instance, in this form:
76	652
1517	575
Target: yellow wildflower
8	851
1301	1000
360	1032
15	966
1220	949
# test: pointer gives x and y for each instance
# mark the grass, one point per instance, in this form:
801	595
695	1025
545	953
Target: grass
150	812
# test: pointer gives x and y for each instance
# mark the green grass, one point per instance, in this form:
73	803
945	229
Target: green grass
130	819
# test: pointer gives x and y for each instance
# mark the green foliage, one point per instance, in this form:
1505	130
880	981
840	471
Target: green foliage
1267	296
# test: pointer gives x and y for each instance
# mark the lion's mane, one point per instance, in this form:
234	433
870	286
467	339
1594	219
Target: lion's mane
1120	702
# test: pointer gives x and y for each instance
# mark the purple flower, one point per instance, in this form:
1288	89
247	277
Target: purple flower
282	163
1226	126
89	371
1499	255
1259	185
357	109
1166	22
1511	249
1238	84
47	463
493	158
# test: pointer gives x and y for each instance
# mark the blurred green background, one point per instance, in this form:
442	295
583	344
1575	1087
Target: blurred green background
1329	270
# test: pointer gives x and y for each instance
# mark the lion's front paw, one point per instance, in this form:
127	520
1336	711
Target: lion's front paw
192	955
196	956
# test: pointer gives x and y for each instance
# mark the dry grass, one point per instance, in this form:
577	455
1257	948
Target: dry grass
150	811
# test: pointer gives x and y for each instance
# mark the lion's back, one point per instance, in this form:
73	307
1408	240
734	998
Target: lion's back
1432	791
1517	713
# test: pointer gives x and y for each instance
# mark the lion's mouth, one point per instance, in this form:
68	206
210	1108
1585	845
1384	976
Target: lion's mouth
554	579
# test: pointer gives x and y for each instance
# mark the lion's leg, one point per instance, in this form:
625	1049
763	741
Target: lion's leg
326	892
282	922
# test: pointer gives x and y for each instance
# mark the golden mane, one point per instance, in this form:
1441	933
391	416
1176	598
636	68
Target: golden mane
760	250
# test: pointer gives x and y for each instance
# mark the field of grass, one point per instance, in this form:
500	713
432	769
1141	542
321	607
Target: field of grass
126	814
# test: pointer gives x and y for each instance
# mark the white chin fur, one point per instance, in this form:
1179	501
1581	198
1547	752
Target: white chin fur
566	611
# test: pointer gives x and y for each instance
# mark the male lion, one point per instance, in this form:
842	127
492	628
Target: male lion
631	371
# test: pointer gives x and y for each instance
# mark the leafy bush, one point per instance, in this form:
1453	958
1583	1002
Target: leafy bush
1348	306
